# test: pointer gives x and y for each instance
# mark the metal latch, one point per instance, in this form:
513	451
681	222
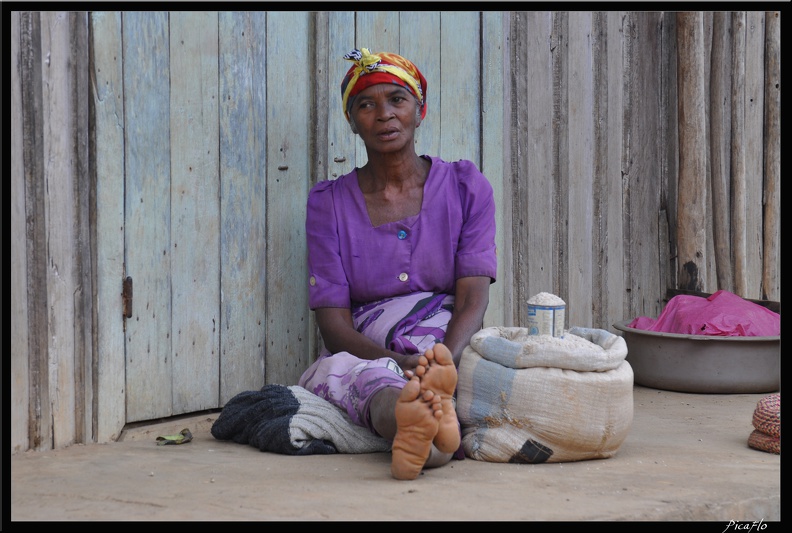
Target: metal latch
126	297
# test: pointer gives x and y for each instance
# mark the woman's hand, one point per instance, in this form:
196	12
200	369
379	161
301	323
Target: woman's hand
407	363
339	335
472	298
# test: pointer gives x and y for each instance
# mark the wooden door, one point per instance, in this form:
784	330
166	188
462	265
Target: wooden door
172	233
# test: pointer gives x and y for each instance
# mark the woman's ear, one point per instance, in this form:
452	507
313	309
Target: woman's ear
352	126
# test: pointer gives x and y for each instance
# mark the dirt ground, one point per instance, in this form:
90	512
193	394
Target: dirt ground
686	458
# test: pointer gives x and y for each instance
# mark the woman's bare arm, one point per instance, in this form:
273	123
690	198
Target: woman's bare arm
470	304
339	335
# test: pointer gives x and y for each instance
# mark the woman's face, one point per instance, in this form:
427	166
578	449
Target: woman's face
385	116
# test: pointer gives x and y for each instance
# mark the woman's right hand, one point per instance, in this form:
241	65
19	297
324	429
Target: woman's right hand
407	363
339	335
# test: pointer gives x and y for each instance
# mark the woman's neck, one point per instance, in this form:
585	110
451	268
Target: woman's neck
393	170
393	191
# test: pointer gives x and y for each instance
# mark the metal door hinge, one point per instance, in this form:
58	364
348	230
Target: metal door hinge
126	297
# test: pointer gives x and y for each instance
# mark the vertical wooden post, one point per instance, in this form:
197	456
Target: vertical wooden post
771	284
720	124
691	217
737	148
39	406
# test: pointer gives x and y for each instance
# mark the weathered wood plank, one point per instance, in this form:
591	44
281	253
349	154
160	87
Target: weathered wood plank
668	129
148	220
495	155
708	254
600	192
335	36
754	150
108	95
612	291
560	162
738	140
641	174
419	41
460	86
287	171
20	354
321	96
720	162
691	233
771	266
57	114
39	410
580	162
520	123
379	32
243	210
667	133
532	152
342	144
195	210
321	161
84	369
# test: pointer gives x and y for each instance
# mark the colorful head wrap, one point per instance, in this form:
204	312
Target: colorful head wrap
383	67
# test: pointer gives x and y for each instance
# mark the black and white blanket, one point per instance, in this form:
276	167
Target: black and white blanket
292	421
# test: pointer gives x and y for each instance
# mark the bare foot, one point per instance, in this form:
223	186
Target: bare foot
418	415
438	374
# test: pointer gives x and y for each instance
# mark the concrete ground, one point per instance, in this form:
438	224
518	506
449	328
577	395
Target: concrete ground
686	458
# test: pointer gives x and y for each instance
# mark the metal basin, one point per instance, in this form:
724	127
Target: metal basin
703	363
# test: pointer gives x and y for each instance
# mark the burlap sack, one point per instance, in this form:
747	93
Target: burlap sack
534	399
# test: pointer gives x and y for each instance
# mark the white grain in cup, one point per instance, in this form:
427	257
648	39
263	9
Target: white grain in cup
546	315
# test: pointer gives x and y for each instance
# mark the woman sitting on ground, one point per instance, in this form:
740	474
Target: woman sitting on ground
401	254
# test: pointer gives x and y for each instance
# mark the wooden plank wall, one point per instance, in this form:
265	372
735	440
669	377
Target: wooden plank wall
204	156
573	157
605	214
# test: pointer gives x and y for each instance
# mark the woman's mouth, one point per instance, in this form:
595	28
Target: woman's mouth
387	135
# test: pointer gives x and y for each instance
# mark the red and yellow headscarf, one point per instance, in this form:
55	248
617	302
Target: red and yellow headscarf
383	67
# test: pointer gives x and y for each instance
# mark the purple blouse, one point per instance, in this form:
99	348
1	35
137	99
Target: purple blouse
350	261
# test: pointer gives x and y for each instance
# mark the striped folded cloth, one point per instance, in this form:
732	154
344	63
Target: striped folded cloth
293	421
767	423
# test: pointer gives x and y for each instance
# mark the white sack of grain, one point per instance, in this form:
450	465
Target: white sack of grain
525	398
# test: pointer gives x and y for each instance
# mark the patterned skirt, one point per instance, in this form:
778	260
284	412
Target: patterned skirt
407	325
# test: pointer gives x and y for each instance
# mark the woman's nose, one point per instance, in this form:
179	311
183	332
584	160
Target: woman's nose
385	112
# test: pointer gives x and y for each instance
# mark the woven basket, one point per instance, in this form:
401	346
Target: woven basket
765	443
767	421
767	415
